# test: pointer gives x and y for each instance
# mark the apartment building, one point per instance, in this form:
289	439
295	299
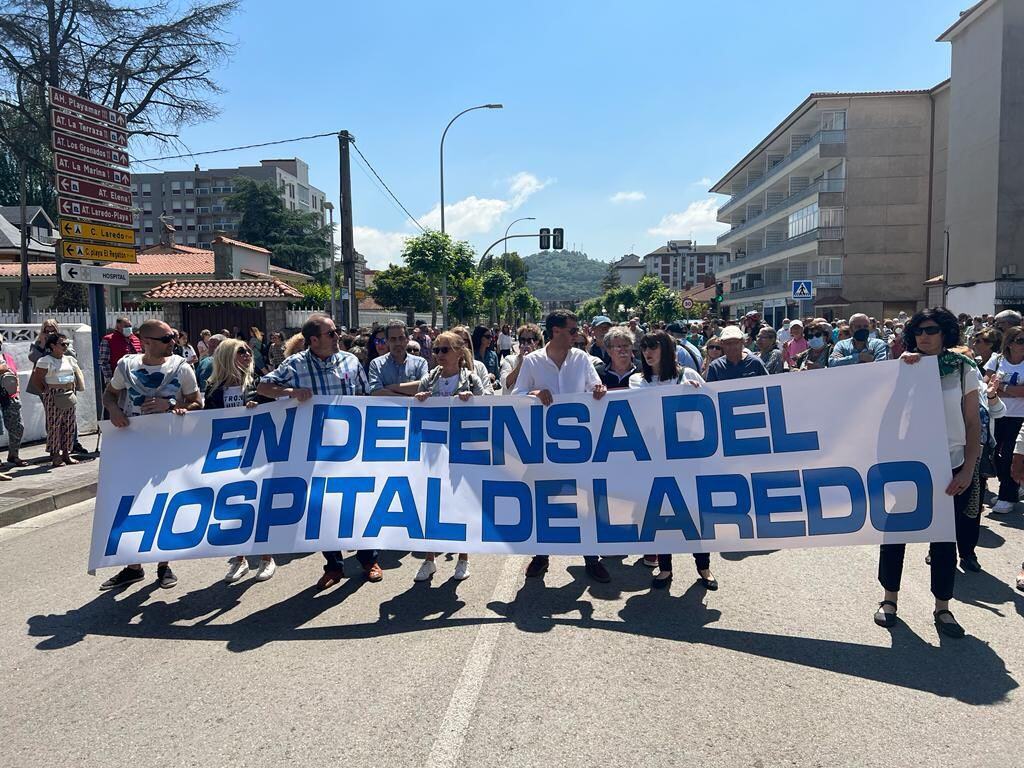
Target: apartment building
195	201
682	264
630	268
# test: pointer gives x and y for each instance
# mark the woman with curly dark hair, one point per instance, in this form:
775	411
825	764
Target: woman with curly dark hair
934	332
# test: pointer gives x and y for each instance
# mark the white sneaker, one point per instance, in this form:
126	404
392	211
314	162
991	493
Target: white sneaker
461	570
266	570
1002	507
238	568
426	570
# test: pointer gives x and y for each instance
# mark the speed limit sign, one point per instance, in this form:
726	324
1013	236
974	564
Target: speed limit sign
687	303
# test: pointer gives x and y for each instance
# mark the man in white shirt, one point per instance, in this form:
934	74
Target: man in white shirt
559	368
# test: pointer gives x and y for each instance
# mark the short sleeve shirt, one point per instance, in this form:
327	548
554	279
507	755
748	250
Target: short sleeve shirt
171	379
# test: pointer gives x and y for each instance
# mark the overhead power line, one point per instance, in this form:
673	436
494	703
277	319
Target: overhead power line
370	166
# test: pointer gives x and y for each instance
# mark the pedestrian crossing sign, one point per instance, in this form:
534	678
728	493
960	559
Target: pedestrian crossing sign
803	290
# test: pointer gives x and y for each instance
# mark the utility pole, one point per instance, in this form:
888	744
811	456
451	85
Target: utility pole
23	193
334	304
347	246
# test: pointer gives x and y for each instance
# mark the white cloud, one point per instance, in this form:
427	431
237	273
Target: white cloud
703	182
523	185
628	197
380	248
697	221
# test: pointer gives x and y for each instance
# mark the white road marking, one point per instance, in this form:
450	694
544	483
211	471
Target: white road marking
452	733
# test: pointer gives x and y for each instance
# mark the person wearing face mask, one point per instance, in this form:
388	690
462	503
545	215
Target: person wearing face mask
861	348
115	345
819	346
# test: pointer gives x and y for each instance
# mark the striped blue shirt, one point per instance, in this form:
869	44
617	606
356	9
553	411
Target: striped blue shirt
340	374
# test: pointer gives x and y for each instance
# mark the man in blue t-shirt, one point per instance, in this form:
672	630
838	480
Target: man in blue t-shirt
735	363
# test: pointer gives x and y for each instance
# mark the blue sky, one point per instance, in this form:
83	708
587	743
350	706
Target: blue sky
617	116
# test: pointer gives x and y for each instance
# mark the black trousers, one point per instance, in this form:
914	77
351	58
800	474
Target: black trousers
366	558
968	529
701	559
943	557
1006	436
586	558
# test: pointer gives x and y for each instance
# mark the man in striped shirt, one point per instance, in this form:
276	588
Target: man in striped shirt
323	369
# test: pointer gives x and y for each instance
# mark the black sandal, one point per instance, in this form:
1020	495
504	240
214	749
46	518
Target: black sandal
710	584
948	628
884	619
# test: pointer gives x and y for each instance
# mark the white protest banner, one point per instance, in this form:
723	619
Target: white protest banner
856	455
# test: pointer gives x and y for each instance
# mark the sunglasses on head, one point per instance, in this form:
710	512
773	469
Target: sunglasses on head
442	350
163	339
930	330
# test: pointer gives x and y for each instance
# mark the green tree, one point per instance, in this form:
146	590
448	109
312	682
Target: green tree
511	262
496	285
466	298
647	287
525	305
625	297
402	289
433	255
70	296
591	308
317	294
663	305
611	280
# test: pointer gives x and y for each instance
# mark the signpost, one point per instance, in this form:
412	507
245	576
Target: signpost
803	290
83	230
70	249
88	140
82	273
687	303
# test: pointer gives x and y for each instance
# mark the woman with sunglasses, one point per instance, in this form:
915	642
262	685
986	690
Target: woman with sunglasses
984	344
618	343
712	351
934	332
529	338
453	376
233	385
660	367
483	350
58	377
376	346
1006	370
819	347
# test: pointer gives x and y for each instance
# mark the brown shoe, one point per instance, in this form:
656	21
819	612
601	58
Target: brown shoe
374	573
328	580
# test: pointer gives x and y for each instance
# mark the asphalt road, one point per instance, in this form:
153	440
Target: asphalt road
782	666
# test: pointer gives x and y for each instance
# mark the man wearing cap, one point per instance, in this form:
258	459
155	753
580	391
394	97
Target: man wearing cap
687	354
733	364
599	326
796	344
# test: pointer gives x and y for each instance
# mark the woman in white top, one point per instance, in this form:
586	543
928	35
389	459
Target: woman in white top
187	350
935	332
1007	371
504	342
660	367
453	376
58	377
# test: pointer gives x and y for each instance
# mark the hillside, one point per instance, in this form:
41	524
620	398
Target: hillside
563	275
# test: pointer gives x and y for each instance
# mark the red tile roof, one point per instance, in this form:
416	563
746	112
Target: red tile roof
239	243
223	290
35	269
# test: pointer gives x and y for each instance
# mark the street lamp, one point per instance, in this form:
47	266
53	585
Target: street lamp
524	218
329	206
444	275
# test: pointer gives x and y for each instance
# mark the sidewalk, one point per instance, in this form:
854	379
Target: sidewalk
39	488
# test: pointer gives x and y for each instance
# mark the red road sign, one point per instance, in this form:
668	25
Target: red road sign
88	129
90	170
69	186
101	213
86	108
64	142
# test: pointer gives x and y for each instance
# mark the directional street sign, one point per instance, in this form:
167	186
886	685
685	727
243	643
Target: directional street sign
803	290
69	249
81	273
90	170
101	153
85	108
88	129
68	185
83	230
101	213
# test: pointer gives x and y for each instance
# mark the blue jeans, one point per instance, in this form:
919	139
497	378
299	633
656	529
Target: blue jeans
366	558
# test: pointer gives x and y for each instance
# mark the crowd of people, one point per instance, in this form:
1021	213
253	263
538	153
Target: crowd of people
155	369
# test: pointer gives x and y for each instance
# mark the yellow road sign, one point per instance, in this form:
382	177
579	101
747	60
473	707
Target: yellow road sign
102	232
94	252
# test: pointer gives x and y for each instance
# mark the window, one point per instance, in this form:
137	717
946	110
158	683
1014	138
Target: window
190	223
203	191
147	225
830	266
803	221
203	209
175	187
179	239
190	205
832	217
147	206
147	190
833	120
176	206
178	222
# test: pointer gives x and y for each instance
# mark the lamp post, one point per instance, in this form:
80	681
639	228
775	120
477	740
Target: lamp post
524	218
444	275
329	206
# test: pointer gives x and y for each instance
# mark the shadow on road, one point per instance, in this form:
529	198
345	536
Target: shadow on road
967	670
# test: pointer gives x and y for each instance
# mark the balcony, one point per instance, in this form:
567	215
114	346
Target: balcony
763	256
821	137
825	185
785	286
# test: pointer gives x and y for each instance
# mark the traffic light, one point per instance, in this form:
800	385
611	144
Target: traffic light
719	293
557	238
545	239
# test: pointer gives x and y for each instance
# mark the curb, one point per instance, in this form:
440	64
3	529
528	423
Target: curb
46	502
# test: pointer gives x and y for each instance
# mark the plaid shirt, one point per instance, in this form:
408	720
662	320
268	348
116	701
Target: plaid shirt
341	374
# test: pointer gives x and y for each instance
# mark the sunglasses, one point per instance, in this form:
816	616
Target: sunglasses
817	335
573	331
380	341
487	336
333	333
649	345
413	350
714	348
162	339
245	352
528	340
931	330
1019	341
442	350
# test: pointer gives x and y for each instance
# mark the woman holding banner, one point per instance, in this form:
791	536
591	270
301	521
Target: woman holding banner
660	367
233	385
934	332
453	376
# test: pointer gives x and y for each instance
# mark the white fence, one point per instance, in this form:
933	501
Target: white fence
296	316
80	316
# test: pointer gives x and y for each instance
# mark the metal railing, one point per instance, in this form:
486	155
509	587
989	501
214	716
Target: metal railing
755	258
824	185
821	137
785	284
